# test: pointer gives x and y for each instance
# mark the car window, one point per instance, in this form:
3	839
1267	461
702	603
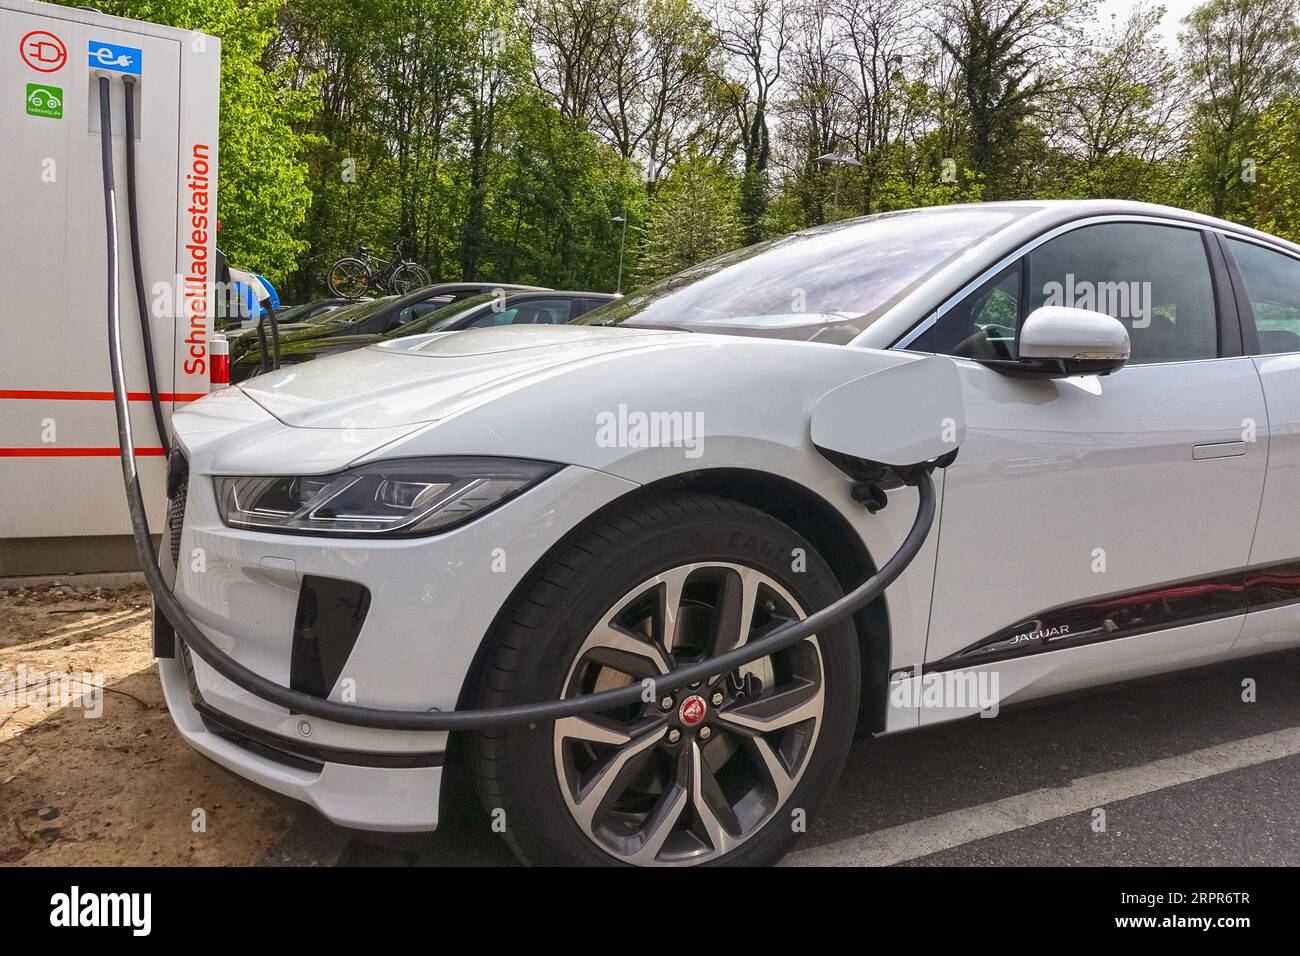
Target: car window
1155	279
825	284
318	311
981	326
442	317
535	312
355	313
420	309
1273	284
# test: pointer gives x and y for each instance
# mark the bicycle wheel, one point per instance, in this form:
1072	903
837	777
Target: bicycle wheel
349	278
408	277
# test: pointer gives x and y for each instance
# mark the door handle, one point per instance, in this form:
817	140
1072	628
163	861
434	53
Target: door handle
1223	449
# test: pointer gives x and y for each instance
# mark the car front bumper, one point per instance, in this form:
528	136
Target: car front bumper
430	602
349	794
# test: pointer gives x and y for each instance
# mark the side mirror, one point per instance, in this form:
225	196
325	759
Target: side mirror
1058	342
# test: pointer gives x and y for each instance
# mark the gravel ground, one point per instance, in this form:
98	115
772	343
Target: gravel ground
120	787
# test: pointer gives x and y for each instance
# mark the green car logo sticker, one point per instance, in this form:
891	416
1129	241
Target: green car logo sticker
44	101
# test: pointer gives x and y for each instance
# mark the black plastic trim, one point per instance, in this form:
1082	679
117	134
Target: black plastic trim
1228	320
1240	299
1142	611
294	753
330	615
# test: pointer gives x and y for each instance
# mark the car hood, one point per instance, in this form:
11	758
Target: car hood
251	329
425	378
311	346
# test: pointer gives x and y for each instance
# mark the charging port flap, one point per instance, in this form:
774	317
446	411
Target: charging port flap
898	416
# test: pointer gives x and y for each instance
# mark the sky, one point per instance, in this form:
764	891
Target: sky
1175	10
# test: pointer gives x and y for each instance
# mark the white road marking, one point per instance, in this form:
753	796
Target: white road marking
919	838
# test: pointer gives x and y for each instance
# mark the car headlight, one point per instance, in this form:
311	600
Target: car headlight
404	497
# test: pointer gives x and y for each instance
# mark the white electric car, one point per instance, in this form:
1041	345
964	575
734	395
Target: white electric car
504	516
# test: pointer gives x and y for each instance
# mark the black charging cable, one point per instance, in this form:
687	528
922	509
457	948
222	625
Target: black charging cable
786	635
146	334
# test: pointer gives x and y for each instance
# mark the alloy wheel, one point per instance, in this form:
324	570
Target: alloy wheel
690	773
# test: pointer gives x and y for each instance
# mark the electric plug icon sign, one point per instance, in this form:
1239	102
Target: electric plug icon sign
43	51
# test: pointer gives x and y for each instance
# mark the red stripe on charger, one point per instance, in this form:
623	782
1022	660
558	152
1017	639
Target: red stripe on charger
50	452
61	396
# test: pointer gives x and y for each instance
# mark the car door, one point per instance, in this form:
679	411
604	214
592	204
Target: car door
1091	527
1267	280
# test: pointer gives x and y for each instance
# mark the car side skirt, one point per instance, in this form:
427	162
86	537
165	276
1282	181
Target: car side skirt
1158	608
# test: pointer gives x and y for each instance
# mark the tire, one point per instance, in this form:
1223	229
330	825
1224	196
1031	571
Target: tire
407	278
566	631
349	278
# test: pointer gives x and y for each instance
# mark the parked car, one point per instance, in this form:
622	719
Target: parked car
371	316
287	319
480	311
310	311
508	516
399	309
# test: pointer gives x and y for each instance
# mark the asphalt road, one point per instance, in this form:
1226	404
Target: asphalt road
1184	770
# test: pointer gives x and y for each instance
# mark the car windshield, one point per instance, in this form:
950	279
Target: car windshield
825	284
352	313
317	312
294	313
439	319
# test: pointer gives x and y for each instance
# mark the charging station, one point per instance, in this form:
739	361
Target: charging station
61	504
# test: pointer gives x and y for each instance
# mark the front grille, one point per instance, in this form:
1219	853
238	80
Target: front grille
178	483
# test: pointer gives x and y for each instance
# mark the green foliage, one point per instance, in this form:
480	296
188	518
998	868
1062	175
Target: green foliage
694	217
1241	56
1273	199
500	137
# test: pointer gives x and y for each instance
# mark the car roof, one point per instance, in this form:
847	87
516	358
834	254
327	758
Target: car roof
452	288
542	293
1052	212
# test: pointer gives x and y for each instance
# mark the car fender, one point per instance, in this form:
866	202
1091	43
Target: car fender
741	403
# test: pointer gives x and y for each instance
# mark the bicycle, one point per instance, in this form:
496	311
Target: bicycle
352	276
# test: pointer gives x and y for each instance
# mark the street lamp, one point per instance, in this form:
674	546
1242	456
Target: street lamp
836	160
618	288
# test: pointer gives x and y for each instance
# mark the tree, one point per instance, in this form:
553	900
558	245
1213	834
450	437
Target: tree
497	52
693	218
1239	55
1118	113
659	95
884	41
573	39
1003	49
1273	202
1122	95
755	35
816	111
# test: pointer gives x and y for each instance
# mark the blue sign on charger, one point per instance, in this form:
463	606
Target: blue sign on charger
110	56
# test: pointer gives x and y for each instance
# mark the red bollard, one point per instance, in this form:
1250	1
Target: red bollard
219	352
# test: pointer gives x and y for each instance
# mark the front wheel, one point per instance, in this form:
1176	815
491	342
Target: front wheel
725	771
348	278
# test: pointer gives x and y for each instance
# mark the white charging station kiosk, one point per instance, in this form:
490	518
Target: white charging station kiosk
61	503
